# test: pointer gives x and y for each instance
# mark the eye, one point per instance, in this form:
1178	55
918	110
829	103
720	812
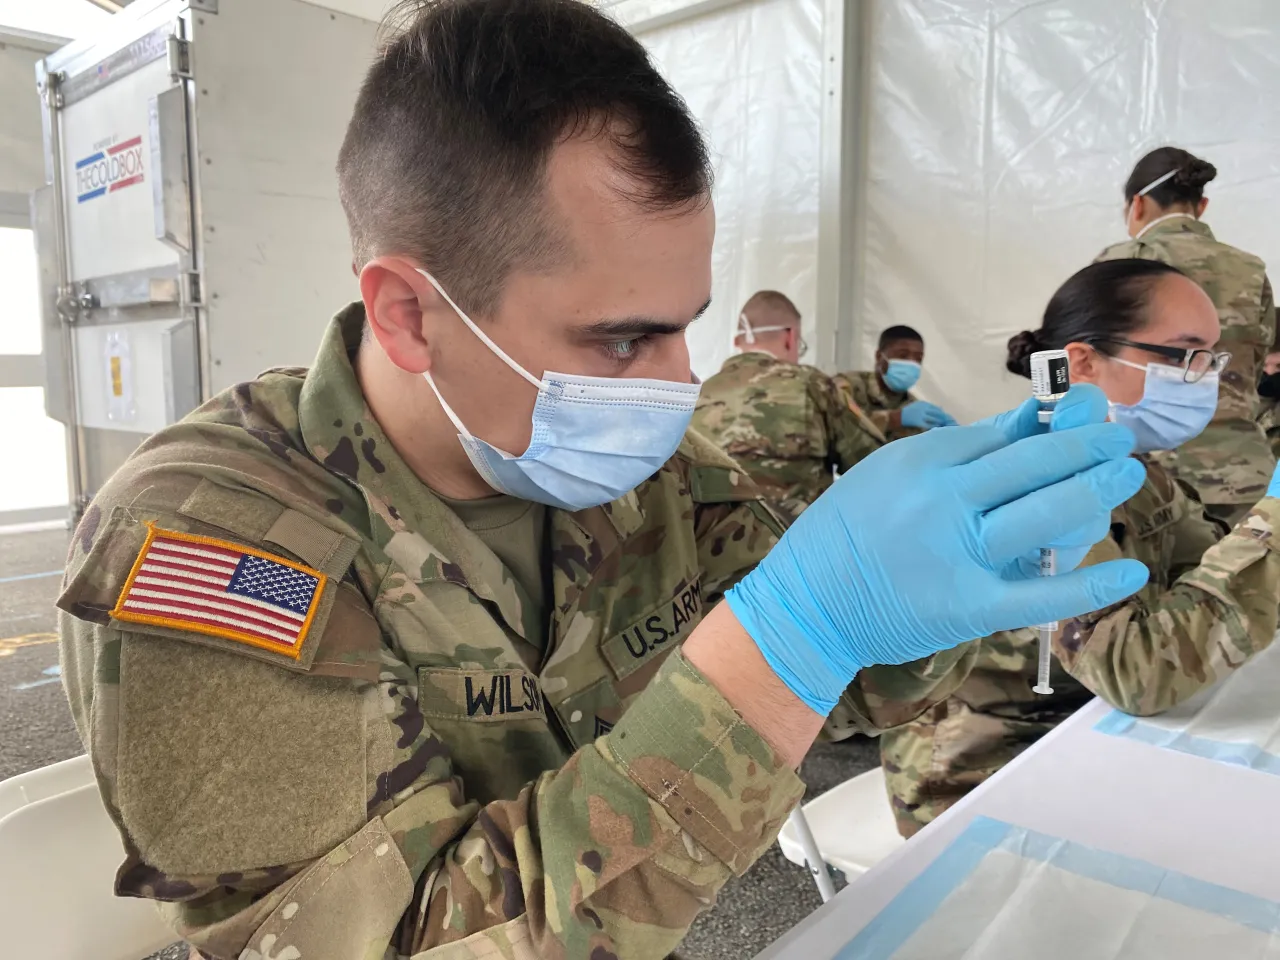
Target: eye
623	352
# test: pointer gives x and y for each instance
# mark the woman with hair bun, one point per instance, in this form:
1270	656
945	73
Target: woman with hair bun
1147	336
1230	463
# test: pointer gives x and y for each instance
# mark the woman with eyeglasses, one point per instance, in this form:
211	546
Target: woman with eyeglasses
1147	336
1230	463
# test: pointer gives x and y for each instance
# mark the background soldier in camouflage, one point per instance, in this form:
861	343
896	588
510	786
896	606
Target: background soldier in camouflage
487	736
885	392
1269	401
785	424
1210	604
1230	463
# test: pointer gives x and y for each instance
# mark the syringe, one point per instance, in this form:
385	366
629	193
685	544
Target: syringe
1050	380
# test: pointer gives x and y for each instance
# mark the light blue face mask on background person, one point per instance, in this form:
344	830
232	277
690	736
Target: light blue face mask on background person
901	375
1171	410
594	438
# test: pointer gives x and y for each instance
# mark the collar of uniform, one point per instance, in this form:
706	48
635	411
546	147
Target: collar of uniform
875	392
744	355
1177	223
581	539
408	522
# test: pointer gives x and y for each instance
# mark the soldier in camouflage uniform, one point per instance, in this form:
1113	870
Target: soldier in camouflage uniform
1230	463
785	424
272	797
885	392
1210	603
1269	401
343	701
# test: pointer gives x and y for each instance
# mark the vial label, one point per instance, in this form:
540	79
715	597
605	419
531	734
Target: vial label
1050	374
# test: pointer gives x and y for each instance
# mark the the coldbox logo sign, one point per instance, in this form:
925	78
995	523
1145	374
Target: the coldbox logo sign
110	169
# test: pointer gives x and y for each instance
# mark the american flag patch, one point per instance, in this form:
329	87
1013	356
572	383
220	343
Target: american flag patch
221	589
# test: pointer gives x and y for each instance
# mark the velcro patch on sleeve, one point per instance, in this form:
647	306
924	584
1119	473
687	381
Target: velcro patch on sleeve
222	589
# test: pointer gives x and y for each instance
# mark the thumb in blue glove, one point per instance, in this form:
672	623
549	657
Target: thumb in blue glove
916	549
1084	405
922	415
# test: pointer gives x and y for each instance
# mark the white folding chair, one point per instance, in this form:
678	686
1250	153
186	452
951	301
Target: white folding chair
45	782
850	827
58	859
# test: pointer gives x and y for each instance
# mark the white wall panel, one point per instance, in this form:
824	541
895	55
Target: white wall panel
752	75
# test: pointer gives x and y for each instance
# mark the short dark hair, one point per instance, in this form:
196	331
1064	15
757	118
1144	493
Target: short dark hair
900	332
1185	186
773	300
446	153
1104	300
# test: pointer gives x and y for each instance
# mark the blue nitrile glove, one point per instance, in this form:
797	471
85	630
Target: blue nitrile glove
918	548
1082	406
922	415
1273	488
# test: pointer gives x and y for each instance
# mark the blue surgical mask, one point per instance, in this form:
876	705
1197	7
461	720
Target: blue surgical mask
1171	410
594	438
901	375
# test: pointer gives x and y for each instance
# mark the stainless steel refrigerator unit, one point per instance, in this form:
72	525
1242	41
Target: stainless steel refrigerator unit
190	234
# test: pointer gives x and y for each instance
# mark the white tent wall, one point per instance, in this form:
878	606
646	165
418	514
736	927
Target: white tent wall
752	73
999	134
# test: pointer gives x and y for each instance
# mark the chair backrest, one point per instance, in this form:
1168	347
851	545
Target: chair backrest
45	782
58	860
852	824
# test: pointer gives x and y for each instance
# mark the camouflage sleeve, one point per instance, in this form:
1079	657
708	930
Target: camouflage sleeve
1269	311
1271	426
615	853
1193	534
1157	649
884	697
851	389
851	435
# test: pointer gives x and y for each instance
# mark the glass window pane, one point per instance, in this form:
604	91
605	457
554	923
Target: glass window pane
41	478
19	292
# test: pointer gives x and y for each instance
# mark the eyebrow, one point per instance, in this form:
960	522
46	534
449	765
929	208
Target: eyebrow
624	327
1190	339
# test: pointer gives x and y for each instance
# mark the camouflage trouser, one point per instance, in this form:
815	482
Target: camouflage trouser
933	762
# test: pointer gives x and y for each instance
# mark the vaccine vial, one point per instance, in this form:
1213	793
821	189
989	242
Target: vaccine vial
1050	380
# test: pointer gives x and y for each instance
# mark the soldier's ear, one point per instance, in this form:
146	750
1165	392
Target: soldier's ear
1084	362
1200	207
1137	211
401	305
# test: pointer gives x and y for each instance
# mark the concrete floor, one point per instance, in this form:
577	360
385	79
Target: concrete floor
35	725
36	730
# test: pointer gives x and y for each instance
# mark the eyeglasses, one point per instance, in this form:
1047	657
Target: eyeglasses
1195	363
